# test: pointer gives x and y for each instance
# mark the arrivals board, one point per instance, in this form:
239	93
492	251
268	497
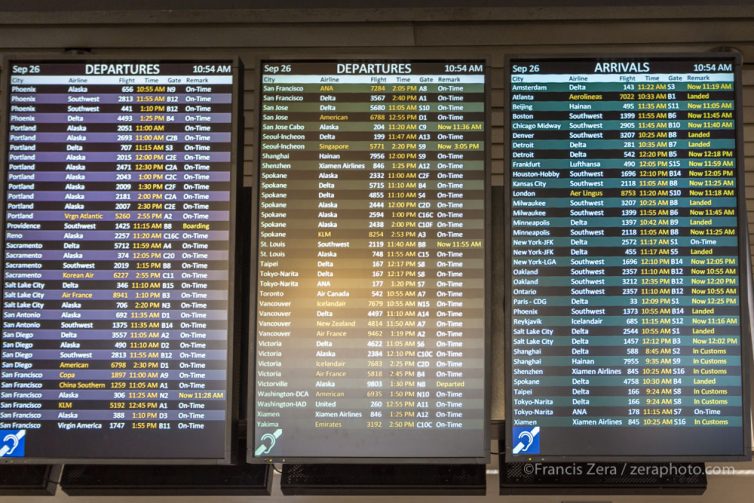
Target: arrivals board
628	333
118	260
371	279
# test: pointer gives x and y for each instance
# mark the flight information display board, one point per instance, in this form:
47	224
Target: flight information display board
118	252
628	333
370	282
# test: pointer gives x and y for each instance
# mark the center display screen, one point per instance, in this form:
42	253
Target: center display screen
370	329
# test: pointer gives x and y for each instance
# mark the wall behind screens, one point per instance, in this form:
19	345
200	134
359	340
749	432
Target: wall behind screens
370	284
626	335
118	206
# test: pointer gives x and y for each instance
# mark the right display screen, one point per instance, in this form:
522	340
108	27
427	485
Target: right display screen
626	306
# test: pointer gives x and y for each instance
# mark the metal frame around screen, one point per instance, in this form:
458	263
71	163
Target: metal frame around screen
743	257
234	291
251	410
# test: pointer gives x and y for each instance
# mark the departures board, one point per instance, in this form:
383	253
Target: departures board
118	252
370	329
627	326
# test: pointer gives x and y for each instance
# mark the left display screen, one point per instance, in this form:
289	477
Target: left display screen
118	213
